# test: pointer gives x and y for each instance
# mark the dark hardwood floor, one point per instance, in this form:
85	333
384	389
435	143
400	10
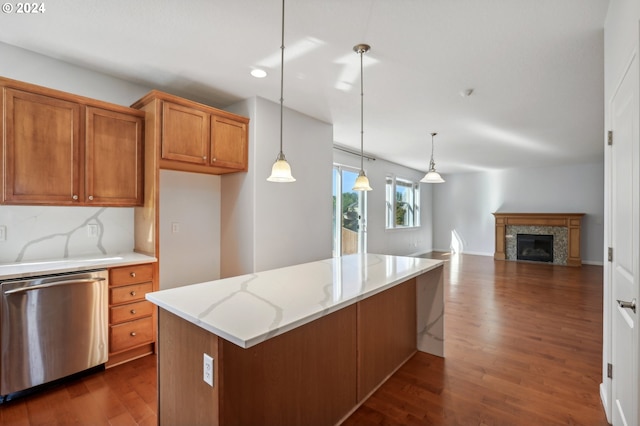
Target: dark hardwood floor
523	346
122	395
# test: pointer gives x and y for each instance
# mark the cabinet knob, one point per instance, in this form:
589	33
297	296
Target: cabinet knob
214	159
90	197
133	293
75	197
204	158
133	312
133	334
133	274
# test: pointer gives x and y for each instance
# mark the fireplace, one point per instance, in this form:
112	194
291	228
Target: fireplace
538	248
565	228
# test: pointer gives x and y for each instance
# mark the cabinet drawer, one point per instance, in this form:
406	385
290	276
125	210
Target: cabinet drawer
130	311
129	293
130	334
131	274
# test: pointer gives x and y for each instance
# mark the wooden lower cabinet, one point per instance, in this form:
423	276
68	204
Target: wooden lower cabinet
131	317
387	331
311	375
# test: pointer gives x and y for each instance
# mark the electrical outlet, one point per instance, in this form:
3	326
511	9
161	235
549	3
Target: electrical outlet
92	230
175	227
207	370
3	232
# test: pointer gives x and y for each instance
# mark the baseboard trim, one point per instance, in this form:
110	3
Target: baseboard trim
605	401
592	262
474	253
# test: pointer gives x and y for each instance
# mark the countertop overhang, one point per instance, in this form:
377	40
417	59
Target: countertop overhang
71	264
249	309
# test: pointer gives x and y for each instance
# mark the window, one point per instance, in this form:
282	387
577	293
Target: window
403	203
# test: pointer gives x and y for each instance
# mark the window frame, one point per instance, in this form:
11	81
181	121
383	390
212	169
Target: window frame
391	191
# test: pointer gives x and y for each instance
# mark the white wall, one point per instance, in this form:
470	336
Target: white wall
237	221
291	222
189	228
399	242
37	233
465	203
24	65
620	43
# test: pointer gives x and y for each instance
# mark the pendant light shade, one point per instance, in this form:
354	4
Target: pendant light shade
362	182
432	176
281	171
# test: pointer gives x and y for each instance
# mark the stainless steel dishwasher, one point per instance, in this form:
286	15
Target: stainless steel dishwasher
51	327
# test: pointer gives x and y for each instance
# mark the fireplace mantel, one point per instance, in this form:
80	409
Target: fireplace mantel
571	221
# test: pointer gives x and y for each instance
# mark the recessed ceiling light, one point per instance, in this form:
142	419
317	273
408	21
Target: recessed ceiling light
258	73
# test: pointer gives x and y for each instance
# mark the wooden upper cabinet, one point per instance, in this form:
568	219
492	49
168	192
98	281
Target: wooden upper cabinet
228	143
185	134
63	149
42	149
113	158
193	137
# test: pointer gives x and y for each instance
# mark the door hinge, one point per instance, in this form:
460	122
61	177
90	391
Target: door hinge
610	137
610	370
610	254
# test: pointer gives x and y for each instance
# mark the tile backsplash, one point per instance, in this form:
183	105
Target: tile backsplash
45	232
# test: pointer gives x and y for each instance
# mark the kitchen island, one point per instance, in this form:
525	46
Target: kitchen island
304	344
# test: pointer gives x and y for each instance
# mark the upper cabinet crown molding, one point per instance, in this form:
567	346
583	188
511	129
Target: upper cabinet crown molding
194	137
64	149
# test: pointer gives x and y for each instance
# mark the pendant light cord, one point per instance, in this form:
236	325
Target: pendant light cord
432	164
281	81
361	112
431	151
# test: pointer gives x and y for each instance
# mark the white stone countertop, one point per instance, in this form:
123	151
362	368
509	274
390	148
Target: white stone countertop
249	309
72	264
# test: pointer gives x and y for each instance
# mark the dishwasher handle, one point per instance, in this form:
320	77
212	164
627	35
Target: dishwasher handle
54	284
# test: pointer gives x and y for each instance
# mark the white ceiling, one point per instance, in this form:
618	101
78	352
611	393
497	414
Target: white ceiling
536	67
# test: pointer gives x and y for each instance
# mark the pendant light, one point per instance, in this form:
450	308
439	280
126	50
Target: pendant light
432	176
362	182
281	171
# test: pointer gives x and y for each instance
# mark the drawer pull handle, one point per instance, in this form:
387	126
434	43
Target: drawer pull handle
133	312
133	293
133	274
133	334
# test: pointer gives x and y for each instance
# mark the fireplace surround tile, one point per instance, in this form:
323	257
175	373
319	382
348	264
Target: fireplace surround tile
560	240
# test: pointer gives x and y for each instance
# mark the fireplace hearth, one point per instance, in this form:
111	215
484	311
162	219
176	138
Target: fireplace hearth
533	247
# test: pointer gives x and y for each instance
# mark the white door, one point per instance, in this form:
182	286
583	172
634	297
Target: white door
349	213
624	240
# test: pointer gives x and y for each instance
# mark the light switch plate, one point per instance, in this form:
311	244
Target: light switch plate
175	227
3	232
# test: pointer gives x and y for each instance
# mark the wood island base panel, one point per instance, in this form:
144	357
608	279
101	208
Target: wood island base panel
328	335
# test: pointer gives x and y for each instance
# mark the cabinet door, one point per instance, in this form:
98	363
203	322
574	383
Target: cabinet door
185	133
113	158
41	149
228	143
